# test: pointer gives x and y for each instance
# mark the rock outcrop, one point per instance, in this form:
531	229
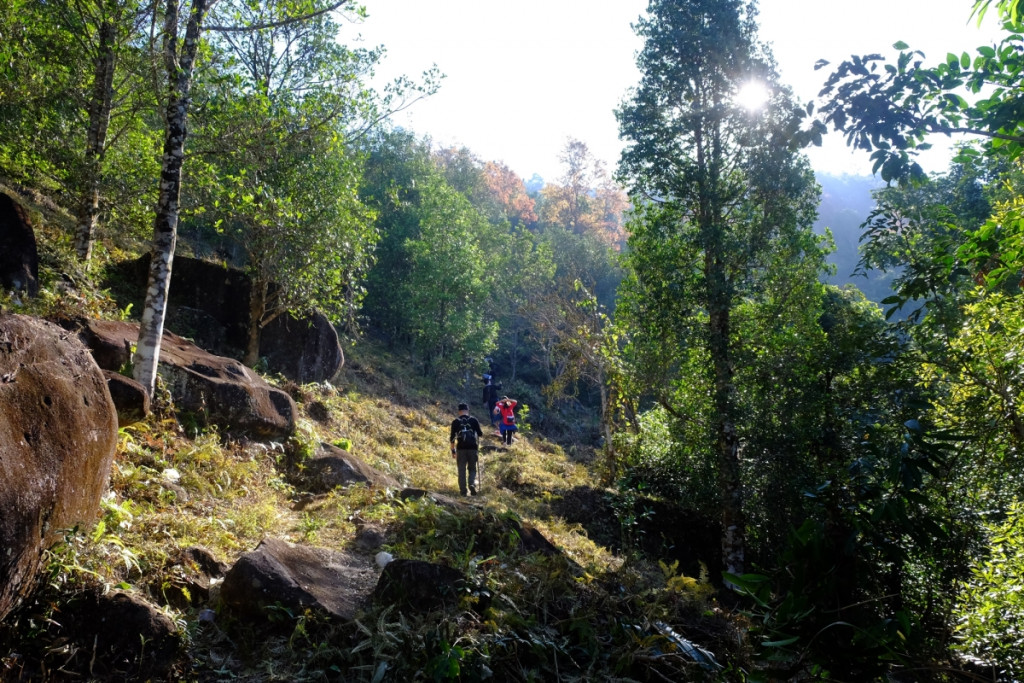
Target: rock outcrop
302	349
125	637
19	258
58	434
188	577
531	540
441	499
209	303
215	389
298	577
331	466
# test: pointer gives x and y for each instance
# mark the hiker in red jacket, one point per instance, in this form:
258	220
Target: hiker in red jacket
505	409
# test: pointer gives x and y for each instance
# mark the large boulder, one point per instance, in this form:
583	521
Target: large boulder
331	466
216	389
298	577
302	349
120	637
58	434
19	259
208	302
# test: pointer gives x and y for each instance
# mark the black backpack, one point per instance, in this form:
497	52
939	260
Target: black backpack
466	436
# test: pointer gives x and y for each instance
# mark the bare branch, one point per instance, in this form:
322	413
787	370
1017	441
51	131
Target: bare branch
282	22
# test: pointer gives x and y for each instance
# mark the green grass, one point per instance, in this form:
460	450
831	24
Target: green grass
579	615
583	614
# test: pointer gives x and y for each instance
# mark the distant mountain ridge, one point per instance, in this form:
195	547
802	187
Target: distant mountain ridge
846	202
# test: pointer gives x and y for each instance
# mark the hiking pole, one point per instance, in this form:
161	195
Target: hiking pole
479	473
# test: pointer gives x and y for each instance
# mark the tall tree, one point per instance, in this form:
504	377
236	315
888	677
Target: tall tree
65	120
107	27
180	58
429	289
39	95
276	128
179	61
724	190
586	200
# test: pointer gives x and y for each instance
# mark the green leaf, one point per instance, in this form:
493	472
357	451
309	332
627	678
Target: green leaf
780	643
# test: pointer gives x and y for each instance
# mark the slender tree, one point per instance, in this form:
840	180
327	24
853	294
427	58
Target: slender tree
107	29
723	192
275	129
179	60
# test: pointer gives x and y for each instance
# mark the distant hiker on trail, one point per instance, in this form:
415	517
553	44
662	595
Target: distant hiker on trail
505	409
464	438
490	398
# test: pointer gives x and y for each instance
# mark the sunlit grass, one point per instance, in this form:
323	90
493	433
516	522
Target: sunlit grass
172	489
169	491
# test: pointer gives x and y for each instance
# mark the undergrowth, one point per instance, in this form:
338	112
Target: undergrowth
582	612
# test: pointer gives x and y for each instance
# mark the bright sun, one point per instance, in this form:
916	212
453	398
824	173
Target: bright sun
752	95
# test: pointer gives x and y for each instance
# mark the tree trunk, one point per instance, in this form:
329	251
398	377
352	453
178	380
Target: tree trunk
257	308
165	226
719	306
611	459
100	106
727	442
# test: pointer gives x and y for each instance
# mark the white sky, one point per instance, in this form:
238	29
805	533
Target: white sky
524	76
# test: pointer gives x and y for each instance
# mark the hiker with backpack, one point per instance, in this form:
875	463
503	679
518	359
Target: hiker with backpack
505	410
464	438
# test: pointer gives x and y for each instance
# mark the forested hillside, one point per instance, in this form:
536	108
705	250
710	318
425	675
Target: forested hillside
846	203
746	471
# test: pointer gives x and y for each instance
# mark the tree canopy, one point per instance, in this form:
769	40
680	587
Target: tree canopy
668	325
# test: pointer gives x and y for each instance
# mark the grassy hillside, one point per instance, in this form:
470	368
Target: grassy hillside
586	613
613	604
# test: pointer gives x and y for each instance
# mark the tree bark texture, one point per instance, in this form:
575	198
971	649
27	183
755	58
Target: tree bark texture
257	309
100	105
165	227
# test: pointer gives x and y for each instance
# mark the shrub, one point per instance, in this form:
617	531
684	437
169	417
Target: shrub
991	611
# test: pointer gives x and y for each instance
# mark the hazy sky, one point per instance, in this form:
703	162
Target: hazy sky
522	77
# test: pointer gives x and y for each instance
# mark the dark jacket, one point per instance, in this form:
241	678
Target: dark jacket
474	424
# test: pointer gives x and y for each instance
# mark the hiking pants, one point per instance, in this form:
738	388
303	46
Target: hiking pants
506	432
466	461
